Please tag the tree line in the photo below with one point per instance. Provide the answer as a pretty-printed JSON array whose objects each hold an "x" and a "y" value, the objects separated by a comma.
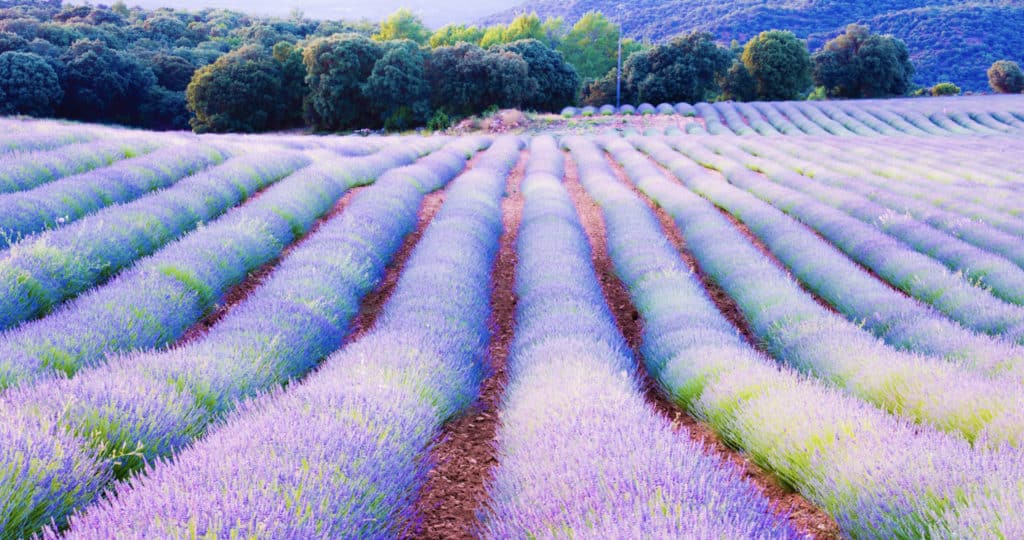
[{"x": 217, "y": 70}]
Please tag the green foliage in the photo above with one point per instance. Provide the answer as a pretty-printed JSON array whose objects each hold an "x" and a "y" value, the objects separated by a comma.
[
  {"x": 591, "y": 46},
  {"x": 336, "y": 69},
  {"x": 28, "y": 85},
  {"x": 397, "y": 88},
  {"x": 103, "y": 83},
  {"x": 687, "y": 68},
  {"x": 779, "y": 65},
  {"x": 553, "y": 82},
  {"x": 240, "y": 92},
  {"x": 403, "y": 24},
  {"x": 945, "y": 89},
  {"x": 466, "y": 79},
  {"x": 818, "y": 94},
  {"x": 452, "y": 34},
  {"x": 1005, "y": 77},
  {"x": 439, "y": 121},
  {"x": 738, "y": 84},
  {"x": 861, "y": 64},
  {"x": 599, "y": 92},
  {"x": 524, "y": 27}
]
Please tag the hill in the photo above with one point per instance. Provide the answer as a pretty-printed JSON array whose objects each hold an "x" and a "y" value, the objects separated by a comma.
[{"x": 949, "y": 40}]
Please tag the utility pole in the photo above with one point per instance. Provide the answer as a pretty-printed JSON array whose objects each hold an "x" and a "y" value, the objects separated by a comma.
[{"x": 618, "y": 76}]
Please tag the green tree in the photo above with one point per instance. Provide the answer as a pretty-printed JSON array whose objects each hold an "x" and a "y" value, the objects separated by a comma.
[
  {"x": 397, "y": 88},
  {"x": 452, "y": 34},
  {"x": 336, "y": 69},
  {"x": 779, "y": 64},
  {"x": 944, "y": 89},
  {"x": 591, "y": 46},
  {"x": 240, "y": 92},
  {"x": 861, "y": 64},
  {"x": 466, "y": 79},
  {"x": 293, "y": 81},
  {"x": 555, "y": 81},
  {"x": 687, "y": 68},
  {"x": 101, "y": 83},
  {"x": 1005, "y": 77},
  {"x": 403, "y": 24},
  {"x": 29, "y": 85},
  {"x": 738, "y": 84}
]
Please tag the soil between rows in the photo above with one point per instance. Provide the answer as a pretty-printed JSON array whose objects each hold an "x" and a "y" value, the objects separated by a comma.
[
  {"x": 804, "y": 516},
  {"x": 467, "y": 449}
]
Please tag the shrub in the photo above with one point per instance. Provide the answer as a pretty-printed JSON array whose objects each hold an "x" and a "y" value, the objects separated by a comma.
[
  {"x": 945, "y": 89},
  {"x": 1006, "y": 77}
]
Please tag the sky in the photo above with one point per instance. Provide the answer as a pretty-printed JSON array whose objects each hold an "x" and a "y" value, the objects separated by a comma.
[{"x": 435, "y": 13}]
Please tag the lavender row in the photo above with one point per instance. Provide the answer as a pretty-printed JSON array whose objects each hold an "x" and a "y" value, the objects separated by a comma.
[
  {"x": 866, "y": 184},
  {"x": 161, "y": 296},
  {"x": 916, "y": 274},
  {"x": 24, "y": 171},
  {"x": 36, "y": 275},
  {"x": 902, "y": 322},
  {"x": 800, "y": 332},
  {"x": 580, "y": 453},
  {"x": 42, "y": 140},
  {"x": 996, "y": 274},
  {"x": 106, "y": 422},
  {"x": 70, "y": 198},
  {"x": 347, "y": 445},
  {"x": 878, "y": 476}
]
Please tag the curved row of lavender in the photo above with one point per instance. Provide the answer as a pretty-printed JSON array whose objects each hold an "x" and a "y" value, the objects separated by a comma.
[
  {"x": 580, "y": 453},
  {"x": 915, "y": 273},
  {"x": 162, "y": 295},
  {"x": 878, "y": 476},
  {"x": 41, "y": 272},
  {"x": 62, "y": 201},
  {"x": 858, "y": 179},
  {"x": 998, "y": 208},
  {"x": 996, "y": 274},
  {"x": 904, "y": 323},
  {"x": 32, "y": 140},
  {"x": 24, "y": 171},
  {"x": 85, "y": 432},
  {"x": 809, "y": 337},
  {"x": 342, "y": 454}
]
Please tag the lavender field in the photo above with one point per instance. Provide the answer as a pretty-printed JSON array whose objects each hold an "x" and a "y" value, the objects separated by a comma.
[{"x": 728, "y": 320}]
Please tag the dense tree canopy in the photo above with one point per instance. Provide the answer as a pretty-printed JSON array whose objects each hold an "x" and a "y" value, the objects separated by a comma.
[
  {"x": 687, "y": 68},
  {"x": 397, "y": 88},
  {"x": 1006, "y": 77},
  {"x": 336, "y": 68},
  {"x": 861, "y": 64},
  {"x": 28, "y": 85},
  {"x": 453, "y": 34},
  {"x": 241, "y": 92},
  {"x": 553, "y": 82},
  {"x": 103, "y": 83},
  {"x": 778, "y": 64},
  {"x": 591, "y": 46},
  {"x": 465, "y": 79}
]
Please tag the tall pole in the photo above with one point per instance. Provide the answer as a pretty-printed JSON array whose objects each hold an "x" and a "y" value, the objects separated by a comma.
[{"x": 618, "y": 76}]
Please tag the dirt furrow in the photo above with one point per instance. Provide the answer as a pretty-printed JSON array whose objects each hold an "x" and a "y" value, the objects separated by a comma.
[{"x": 466, "y": 452}]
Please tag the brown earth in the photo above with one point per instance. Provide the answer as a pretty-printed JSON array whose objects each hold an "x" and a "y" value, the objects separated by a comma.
[
  {"x": 463, "y": 457},
  {"x": 805, "y": 517},
  {"x": 235, "y": 295}
]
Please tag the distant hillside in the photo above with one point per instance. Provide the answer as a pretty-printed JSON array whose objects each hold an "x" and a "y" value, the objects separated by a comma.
[{"x": 948, "y": 39}]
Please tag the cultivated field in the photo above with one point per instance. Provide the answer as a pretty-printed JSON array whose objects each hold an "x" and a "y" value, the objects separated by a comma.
[{"x": 766, "y": 320}]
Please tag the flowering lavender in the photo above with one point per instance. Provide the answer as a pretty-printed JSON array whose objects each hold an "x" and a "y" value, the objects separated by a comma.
[
  {"x": 351, "y": 465},
  {"x": 24, "y": 171},
  {"x": 42, "y": 140},
  {"x": 154, "y": 302},
  {"x": 580, "y": 452},
  {"x": 27, "y": 212},
  {"x": 38, "y": 274},
  {"x": 906, "y": 269},
  {"x": 259, "y": 345},
  {"x": 1001, "y": 277},
  {"x": 808, "y": 337},
  {"x": 878, "y": 476}
]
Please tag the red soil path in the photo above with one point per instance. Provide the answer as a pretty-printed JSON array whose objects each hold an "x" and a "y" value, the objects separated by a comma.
[{"x": 463, "y": 457}]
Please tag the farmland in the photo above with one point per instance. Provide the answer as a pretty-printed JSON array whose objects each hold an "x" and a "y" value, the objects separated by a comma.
[{"x": 727, "y": 320}]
